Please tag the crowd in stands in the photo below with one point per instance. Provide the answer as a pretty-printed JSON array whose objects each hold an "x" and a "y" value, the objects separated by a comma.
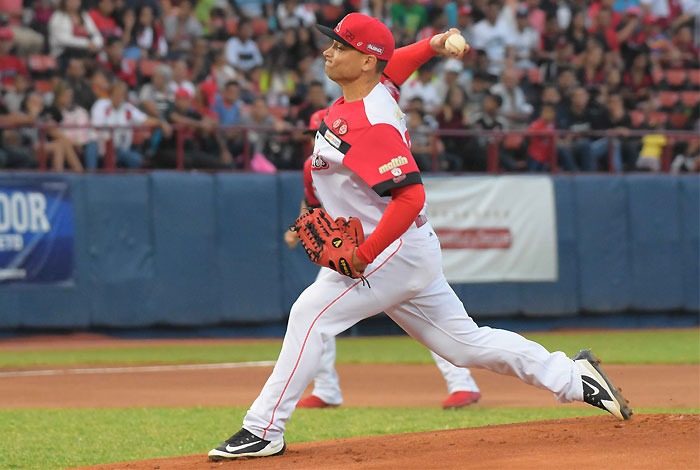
[{"x": 182, "y": 69}]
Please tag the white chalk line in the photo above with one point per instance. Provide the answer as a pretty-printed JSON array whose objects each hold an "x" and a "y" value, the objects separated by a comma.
[{"x": 123, "y": 370}]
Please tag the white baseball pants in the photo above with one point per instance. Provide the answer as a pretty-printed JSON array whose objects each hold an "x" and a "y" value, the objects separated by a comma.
[{"x": 407, "y": 283}]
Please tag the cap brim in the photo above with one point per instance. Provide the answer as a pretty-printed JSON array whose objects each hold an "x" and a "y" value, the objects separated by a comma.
[{"x": 330, "y": 32}]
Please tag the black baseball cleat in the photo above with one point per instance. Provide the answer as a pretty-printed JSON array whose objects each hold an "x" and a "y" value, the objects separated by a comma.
[
  {"x": 597, "y": 389},
  {"x": 245, "y": 444}
]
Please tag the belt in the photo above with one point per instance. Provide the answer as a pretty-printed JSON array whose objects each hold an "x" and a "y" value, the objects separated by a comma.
[{"x": 421, "y": 220}]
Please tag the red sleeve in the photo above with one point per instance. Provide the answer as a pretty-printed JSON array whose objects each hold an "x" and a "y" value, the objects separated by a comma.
[
  {"x": 406, "y": 203},
  {"x": 407, "y": 59},
  {"x": 309, "y": 193},
  {"x": 382, "y": 159}
]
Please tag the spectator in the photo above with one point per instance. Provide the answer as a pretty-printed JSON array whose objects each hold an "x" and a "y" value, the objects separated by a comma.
[
  {"x": 292, "y": 14},
  {"x": 515, "y": 107},
  {"x": 579, "y": 118},
  {"x": 537, "y": 17},
  {"x": 103, "y": 18},
  {"x": 13, "y": 154},
  {"x": 436, "y": 24},
  {"x": 156, "y": 97},
  {"x": 652, "y": 148},
  {"x": 489, "y": 119},
  {"x": 182, "y": 29},
  {"x": 451, "y": 77},
  {"x": 72, "y": 33},
  {"x": 248, "y": 9},
  {"x": 688, "y": 53},
  {"x": 615, "y": 118},
  {"x": 566, "y": 82},
  {"x": 221, "y": 72},
  {"x": 99, "y": 85},
  {"x": 454, "y": 115},
  {"x": 113, "y": 61},
  {"x": 637, "y": 81},
  {"x": 465, "y": 21},
  {"x": 180, "y": 79},
  {"x": 59, "y": 150},
  {"x": 563, "y": 59},
  {"x": 477, "y": 89},
  {"x": 657, "y": 8},
  {"x": 241, "y": 51},
  {"x": 491, "y": 35},
  {"x": 81, "y": 140},
  {"x": 83, "y": 95},
  {"x": 316, "y": 101},
  {"x": 116, "y": 111},
  {"x": 591, "y": 72},
  {"x": 541, "y": 147},
  {"x": 689, "y": 160},
  {"x": 549, "y": 39},
  {"x": 408, "y": 16},
  {"x": 199, "y": 61},
  {"x": 199, "y": 144},
  {"x": 523, "y": 43},
  {"x": 262, "y": 142},
  {"x": 421, "y": 140},
  {"x": 10, "y": 64},
  {"x": 422, "y": 86},
  {"x": 227, "y": 106},
  {"x": 147, "y": 36},
  {"x": 577, "y": 35},
  {"x": 17, "y": 93}
]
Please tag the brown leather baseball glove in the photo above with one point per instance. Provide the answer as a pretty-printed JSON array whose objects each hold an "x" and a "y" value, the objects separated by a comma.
[{"x": 329, "y": 242}]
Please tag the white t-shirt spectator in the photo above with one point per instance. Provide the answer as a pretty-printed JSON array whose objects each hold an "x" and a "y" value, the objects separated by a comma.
[
  {"x": 63, "y": 34},
  {"x": 514, "y": 103},
  {"x": 243, "y": 55},
  {"x": 492, "y": 38},
  {"x": 524, "y": 42},
  {"x": 103, "y": 113},
  {"x": 428, "y": 92}
]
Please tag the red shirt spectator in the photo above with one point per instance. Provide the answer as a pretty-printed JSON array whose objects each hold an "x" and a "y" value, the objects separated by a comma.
[
  {"x": 114, "y": 62},
  {"x": 540, "y": 147}
]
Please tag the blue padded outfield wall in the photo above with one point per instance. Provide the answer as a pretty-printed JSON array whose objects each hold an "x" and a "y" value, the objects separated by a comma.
[{"x": 170, "y": 248}]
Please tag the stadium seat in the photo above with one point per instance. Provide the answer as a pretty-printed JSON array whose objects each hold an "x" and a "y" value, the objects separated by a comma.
[
  {"x": 637, "y": 117},
  {"x": 678, "y": 120},
  {"x": 232, "y": 26},
  {"x": 657, "y": 117},
  {"x": 260, "y": 26},
  {"x": 10, "y": 6},
  {"x": 147, "y": 67},
  {"x": 534, "y": 75},
  {"x": 41, "y": 63},
  {"x": 694, "y": 75},
  {"x": 279, "y": 111},
  {"x": 657, "y": 76},
  {"x": 668, "y": 99},
  {"x": 690, "y": 98},
  {"x": 43, "y": 86},
  {"x": 675, "y": 77}
]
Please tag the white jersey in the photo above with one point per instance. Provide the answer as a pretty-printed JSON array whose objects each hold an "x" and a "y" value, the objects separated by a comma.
[{"x": 361, "y": 153}]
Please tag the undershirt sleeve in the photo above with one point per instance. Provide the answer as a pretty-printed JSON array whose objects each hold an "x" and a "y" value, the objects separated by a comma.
[
  {"x": 407, "y": 59},
  {"x": 309, "y": 194},
  {"x": 382, "y": 159},
  {"x": 406, "y": 203}
]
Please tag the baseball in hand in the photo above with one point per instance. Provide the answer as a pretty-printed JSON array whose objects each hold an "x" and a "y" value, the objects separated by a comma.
[{"x": 455, "y": 44}]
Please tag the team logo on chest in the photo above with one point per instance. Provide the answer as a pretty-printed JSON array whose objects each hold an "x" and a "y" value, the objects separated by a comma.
[
  {"x": 340, "y": 126},
  {"x": 318, "y": 163}
]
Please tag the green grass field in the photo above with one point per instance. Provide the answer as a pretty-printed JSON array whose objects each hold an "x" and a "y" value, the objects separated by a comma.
[
  {"x": 92, "y": 436},
  {"x": 625, "y": 347}
]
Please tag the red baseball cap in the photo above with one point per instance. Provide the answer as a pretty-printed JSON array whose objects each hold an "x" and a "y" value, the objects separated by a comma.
[
  {"x": 182, "y": 93},
  {"x": 364, "y": 33}
]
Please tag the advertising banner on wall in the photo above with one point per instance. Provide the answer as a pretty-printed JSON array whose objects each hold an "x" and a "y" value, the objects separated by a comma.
[
  {"x": 495, "y": 229},
  {"x": 36, "y": 230}
]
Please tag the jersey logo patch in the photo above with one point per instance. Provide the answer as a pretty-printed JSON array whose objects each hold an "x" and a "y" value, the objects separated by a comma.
[
  {"x": 340, "y": 125},
  {"x": 394, "y": 163},
  {"x": 318, "y": 163},
  {"x": 377, "y": 49},
  {"x": 332, "y": 139}
]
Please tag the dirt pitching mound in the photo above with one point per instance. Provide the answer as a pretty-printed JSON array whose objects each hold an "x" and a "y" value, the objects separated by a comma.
[{"x": 645, "y": 442}]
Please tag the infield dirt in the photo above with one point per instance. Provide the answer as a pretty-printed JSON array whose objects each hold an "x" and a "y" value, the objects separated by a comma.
[{"x": 600, "y": 442}]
